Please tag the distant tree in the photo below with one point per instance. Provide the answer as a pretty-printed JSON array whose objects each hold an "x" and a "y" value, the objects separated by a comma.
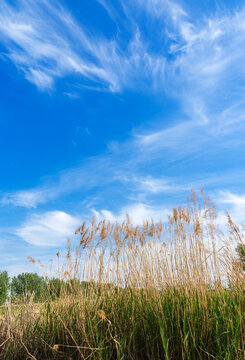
[
  {"x": 4, "y": 287},
  {"x": 73, "y": 286},
  {"x": 59, "y": 287},
  {"x": 29, "y": 284},
  {"x": 55, "y": 287},
  {"x": 241, "y": 254}
]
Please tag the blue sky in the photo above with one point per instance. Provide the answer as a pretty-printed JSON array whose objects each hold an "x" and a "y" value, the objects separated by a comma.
[{"x": 110, "y": 106}]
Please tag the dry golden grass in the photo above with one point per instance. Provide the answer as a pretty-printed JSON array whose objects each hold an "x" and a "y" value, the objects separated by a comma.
[{"x": 160, "y": 291}]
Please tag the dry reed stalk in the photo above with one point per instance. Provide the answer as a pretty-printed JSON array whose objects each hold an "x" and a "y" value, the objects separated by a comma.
[{"x": 188, "y": 259}]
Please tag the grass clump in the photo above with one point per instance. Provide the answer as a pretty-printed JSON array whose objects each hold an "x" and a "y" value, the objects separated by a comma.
[{"x": 160, "y": 291}]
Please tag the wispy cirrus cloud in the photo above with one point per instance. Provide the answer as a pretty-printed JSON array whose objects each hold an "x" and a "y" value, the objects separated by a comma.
[
  {"x": 25, "y": 198},
  {"x": 153, "y": 185},
  {"x": 86, "y": 176},
  {"x": 46, "y": 43},
  {"x": 37, "y": 34},
  {"x": 144, "y": 174},
  {"x": 204, "y": 72},
  {"x": 97, "y": 173},
  {"x": 209, "y": 71},
  {"x": 204, "y": 67}
]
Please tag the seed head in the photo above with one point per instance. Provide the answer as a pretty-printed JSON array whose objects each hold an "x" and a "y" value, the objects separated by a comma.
[{"x": 101, "y": 314}]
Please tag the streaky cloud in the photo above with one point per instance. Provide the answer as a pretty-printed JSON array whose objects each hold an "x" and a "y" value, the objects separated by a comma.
[{"x": 45, "y": 42}]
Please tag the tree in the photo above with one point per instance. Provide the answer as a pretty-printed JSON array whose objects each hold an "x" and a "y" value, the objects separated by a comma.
[
  {"x": 241, "y": 254},
  {"x": 59, "y": 287},
  {"x": 55, "y": 287},
  {"x": 4, "y": 287},
  {"x": 26, "y": 285}
]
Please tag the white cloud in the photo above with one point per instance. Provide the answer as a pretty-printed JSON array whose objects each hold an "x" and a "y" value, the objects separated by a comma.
[
  {"x": 175, "y": 142},
  {"x": 159, "y": 8},
  {"x": 26, "y": 198},
  {"x": 207, "y": 63},
  {"x": 138, "y": 213},
  {"x": 156, "y": 186},
  {"x": 40, "y": 79},
  {"x": 227, "y": 197},
  {"x": 209, "y": 71},
  {"x": 46, "y": 42},
  {"x": 235, "y": 205},
  {"x": 37, "y": 35},
  {"x": 89, "y": 174},
  {"x": 48, "y": 229}
]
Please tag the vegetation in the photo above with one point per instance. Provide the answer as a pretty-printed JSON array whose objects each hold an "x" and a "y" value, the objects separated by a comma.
[
  {"x": 27, "y": 285},
  {"x": 160, "y": 291},
  {"x": 4, "y": 287},
  {"x": 241, "y": 254}
]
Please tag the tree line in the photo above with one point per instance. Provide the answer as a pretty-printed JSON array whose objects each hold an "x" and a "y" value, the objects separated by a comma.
[{"x": 31, "y": 286}]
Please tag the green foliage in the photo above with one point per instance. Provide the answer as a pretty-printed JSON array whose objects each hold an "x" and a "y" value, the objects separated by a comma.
[
  {"x": 56, "y": 287},
  {"x": 241, "y": 254},
  {"x": 165, "y": 342},
  {"x": 131, "y": 324},
  {"x": 4, "y": 287},
  {"x": 27, "y": 285},
  {"x": 171, "y": 303}
]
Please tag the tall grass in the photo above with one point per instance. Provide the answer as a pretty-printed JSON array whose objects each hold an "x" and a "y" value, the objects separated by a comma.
[{"x": 160, "y": 291}]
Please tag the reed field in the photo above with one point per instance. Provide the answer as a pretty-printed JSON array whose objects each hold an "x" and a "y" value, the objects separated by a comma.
[{"x": 172, "y": 290}]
